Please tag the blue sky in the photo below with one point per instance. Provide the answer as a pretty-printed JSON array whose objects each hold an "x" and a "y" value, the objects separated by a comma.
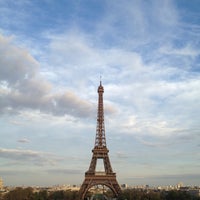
[{"x": 52, "y": 54}]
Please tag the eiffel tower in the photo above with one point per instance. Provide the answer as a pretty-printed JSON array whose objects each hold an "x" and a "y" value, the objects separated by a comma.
[{"x": 100, "y": 151}]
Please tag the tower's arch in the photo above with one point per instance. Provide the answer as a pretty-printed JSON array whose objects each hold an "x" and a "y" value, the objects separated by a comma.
[{"x": 107, "y": 184}]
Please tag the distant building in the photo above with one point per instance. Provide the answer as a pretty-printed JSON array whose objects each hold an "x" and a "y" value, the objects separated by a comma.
[
  {"x": 1, "y": 184},
  {"x": 124, "y": 186},
  {"x": 179, "y": 185}
]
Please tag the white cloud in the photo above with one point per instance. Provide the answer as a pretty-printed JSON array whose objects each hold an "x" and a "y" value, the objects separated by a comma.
[
  {"x": 22, "y": 87},
  {"x": 144, "y": 90},
  {"x": 187, "y": 50},
  {"x": 26, "y": 156},
  {"x": 64, "y": 171},
  {"x": 15, "y": 64},
  {"x": 23, "y": 140}
]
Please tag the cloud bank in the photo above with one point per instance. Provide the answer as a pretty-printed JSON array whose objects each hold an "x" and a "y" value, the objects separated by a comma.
[{"x": 22, "y": 87}]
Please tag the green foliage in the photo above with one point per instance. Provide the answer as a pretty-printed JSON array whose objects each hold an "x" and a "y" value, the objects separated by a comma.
[
  {"x": 41, "y": 195},
  {"x": 57, "y": 195},
  {"x": 129, "y": 194},
  {"x": 28, "y": 194},
  {"x": 63, "y": 195},
  {"x": 132, "y": 194},
  {"x": 182, "y": 195},
  {"x": 19, "y": 194}
]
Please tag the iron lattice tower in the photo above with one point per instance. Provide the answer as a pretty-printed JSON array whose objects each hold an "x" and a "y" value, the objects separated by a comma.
[{"x": 100, "y": 151}]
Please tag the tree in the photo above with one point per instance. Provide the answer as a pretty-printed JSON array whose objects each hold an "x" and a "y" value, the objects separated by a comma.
[
  {"x": 41, "y": 195},
  {"x": 19, "y": 194}
]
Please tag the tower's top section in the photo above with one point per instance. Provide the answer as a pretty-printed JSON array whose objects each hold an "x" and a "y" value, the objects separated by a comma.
[
  {"x": 100, "y": 88},
  {"x": 100, "y": 140}
]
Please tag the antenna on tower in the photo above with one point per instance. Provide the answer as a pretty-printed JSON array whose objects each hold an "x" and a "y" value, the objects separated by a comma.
[{"x": 100, "y": 79}]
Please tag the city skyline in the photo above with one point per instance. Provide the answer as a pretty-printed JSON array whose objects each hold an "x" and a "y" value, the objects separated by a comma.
[{"x": 52, "y": 55}]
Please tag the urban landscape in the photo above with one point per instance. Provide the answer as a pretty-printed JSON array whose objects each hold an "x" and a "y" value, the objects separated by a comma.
[
  {"x": 99, "y": 100},
  {"x": 70, "y": 192}
]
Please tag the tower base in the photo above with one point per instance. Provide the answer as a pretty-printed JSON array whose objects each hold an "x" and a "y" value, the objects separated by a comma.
[{"x": 91, "y": 180}]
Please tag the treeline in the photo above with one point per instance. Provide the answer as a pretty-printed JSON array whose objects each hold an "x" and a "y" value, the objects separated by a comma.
[
  {"x": 129, "y": 194},
  {"x": 29, "y": 194},
  {"x": 134, "y": 194}
]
